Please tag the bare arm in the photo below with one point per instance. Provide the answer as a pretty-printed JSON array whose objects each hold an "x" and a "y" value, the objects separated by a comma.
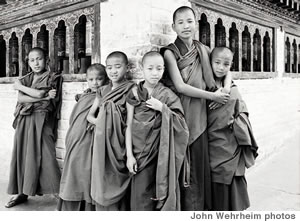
[
  {"x": 227, "y": 82},
  {"x": 24, "y": 98},
  {"x": 34, "y": 93},
  {"x": 187, "y": 89},
  {"x": 131, "y": 161},
  {"x": 91, "y": 115}
]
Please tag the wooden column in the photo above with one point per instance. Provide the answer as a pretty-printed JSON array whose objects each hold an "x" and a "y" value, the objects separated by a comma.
[
  {"x": 227, "y": 27},
  {"x": 19, "y": 35},
  {"x": 51, "y": 28},
  {"x": 251, "y": 51},
  {"x": 70, "y": 34},
  {"x": 7, "y": 36},
  {"x": 34, "y": 37},
  {"x": 262, "y": 50},
  {"x": 96, "y": 35},
  {"x": 271, "y": 52}
]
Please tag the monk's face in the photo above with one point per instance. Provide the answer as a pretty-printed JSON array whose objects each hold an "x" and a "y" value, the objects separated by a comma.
[
  {"x": 116, "y": 68},
  {"x": 153, "y": 69},
  {"x": 221, "y": 63},
  {"x": 185, "y": 24},
  {"x": 36, "y": 61},
  {"x": 95, "y": 79}
]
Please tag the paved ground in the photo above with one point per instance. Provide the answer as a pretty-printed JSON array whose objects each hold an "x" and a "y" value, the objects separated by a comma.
[{"x": 274, "y": 184}]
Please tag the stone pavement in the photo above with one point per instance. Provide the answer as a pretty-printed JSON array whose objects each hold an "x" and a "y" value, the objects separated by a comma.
[{"x": 273, "y": 184}]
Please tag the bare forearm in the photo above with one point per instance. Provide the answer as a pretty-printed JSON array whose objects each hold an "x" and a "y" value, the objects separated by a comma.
[
  {"x": 23, "y": 98},
  {"x": 128, "y": 141},
  {"x": 227, "y": 82},
  {"x": 31, "y": 92},
  {"x": 191, "y": 91}
]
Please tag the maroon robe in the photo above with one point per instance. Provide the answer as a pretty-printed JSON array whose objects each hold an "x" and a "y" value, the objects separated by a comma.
[
  {"x": 75, "y": 184},
  {"x": 34, "y": 169},
  {"x": 109, "y": 178},
  {"x": 232, "y": 148},
  {"x": 159, "y": 143},
  {"x": 195, "y": 70}
]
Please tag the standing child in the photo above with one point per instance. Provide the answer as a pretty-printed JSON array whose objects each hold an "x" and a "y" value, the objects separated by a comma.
[
  {"x": 232, "y": 146},
  {"x": 75, "y": 184},
  {"x": 156, "y": 140},
  {"x": 109, "y": 173},
  {"x": 189, "y": 70},
  {"x": 34, "y": 169}
]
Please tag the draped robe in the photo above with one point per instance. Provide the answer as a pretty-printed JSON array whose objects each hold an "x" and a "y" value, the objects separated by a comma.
[
  {"x": 195, "y": 69},
  {"x": 34, "y": 168},
  {"x": 159, "y": 143},
  {"x": 232, "y": 146},
  {"x": 109, "y": 176},
  {"x": 76, "y": 176}
]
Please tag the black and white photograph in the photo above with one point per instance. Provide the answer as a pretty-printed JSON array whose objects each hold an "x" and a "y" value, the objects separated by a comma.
[{"x": 151, "y": 105}]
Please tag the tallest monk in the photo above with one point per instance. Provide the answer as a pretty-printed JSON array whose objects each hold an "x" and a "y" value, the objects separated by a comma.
[{"x": 190, "y": 74}]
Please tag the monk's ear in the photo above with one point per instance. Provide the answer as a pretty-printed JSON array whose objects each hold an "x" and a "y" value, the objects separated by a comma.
[{"x": 173, "y": 27}]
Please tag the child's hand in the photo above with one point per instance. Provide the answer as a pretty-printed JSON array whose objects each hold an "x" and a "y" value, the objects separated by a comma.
[
  {"x": 220, "y": 97},
  {"x": 17, "y": 85},
  {"x": 131, "y": 164},
  {"x": 214, "y": 105},
  {"x": 154, "y": 104},
  {"x": 90, "y": 127},
  {"x": 52, "y": 94}
]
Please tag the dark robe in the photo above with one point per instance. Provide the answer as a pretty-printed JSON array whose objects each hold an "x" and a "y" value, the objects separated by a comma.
[
  {"x": 34, "y": 168},
  {"x": 109, "y": 178},
  {"x": 195, "y": 69},
  {"x": 159, "y": 143},
  {"x": 76, "y": 176},
  {"x": 232, "y": 148}
]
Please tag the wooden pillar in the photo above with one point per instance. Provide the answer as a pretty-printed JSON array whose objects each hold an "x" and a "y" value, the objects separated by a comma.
[
  {"x": 262, "y": 51},
  {"x": 70, "y": 36},
  {"x": 7, "y": 54},
  {"x": 227, "y": 27},
  {"x": 297, "y": 58},
  {"x": 291, "y": 55},
  {"x": 240, "y": 50},
  {"x": 271, "y": 52},
  {"x": 51, "y": 28},
  {"x": 34, "y": 37},
  {"x": 96, "y": 40},
  {"x": 19, "y": 35},
  {"x": 251, "y": 51}
]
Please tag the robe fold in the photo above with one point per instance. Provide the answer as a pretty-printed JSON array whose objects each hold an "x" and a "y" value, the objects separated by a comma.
[
  {"x": 34, "y": 169},
  {"x": 195, "y": 69},
  {"x": 232, "y": 148},
  {"x": 109, "y": 178},
  {"x": 159, "y": 142},
  {"x": 76, "y": 176}
]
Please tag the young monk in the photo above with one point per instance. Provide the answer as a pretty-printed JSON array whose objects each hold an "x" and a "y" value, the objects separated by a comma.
[
  {"x": 108, "y": 156},
  {"x": 189, "y": 73},
  {"x": 232, "y": 146},
  {"x": 76, "y": 176},
  {"x": 156, "y": 140},
  {"x": 34, "y": 169}
]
